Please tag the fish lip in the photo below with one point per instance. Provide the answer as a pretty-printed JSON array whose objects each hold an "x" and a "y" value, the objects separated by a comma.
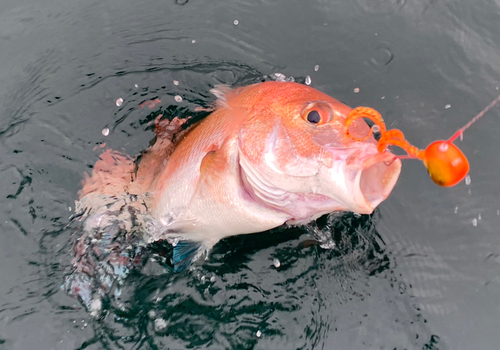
[{"x": 374, "y": 179}]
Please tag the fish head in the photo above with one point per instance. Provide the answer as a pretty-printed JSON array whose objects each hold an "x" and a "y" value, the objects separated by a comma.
[{"x": 294, "y": 155}]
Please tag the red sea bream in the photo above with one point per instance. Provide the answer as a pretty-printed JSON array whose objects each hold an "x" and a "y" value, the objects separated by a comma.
[{"x": 269, "y": 154}]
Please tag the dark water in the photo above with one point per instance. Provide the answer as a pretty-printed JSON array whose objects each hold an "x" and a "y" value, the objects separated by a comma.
[{"x": 422, "y": 273}]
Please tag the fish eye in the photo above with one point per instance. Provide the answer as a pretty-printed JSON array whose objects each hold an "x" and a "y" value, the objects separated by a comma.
[
  {"x": 317, "y": 113},
  {"x": 313, "y": 117}
]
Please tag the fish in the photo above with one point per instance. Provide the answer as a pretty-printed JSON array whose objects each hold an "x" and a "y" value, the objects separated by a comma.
[{"x": 269, "y": 154}]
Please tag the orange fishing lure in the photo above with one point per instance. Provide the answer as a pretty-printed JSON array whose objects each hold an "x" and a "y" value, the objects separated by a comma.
[{"x": 445, "y": 162}]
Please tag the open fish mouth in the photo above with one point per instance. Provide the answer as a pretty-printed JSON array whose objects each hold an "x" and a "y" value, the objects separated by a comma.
[{"x": 374, "y": 178}]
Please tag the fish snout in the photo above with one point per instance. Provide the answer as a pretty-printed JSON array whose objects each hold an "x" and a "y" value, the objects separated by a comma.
[{"x": 374, "y": 176}]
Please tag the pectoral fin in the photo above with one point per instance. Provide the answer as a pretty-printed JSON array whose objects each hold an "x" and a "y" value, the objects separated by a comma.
[
  {"x": 214, "y": 163},
  {"x": 212, "y": 169},
  {"x": 184, "y": 253}
]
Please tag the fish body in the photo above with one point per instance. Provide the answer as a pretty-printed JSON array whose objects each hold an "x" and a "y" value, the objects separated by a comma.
[{"x": 269, "y": 154}]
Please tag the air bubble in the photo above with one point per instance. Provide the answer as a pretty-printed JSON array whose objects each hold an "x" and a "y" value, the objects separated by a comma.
[
  {"x": 176, "y": 82},
  {"x": 276, "y": 263},
  {"x": 178, "y": 98},
  {"x": 316, "y": 68},
  {"x": 356, "y": 90},
  {"x": 258, "y": 334},
  {"x": 105, "y": 131},
  {"x": 447, "y": 106},
  {"x": 308, "y": 80},
  {"x": 236, "y": 22},
  {"x": 474, "y": 222},
  {"x": 119, "y": 102}
]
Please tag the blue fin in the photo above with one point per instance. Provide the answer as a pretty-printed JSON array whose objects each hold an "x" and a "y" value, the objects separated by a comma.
[{"x": 184, "y": 252}]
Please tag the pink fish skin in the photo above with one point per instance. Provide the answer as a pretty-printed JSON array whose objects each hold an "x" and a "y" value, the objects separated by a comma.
[{"x": 271, "y": 153}]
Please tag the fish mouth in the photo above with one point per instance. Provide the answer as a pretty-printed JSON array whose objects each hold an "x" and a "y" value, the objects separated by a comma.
[{"x": 374, "y": 178}]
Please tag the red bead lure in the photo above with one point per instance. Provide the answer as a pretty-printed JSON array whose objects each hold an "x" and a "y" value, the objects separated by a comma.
[{"x": 445, "y": 162}]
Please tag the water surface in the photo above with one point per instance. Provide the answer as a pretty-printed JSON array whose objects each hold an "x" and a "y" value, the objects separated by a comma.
[{"x": 422, "y": 272}]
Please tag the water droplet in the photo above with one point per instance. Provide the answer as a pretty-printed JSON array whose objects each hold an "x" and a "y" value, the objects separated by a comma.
[
  {"x": 279, "y": 76},
  {"x": 105, "y": 131},
  {"x": 467, "y": 180},
  {"x": 276, "y": 263},
  {"x": 258, "y": 334},
  {"x": 447, "y": 106},
  {"x": 178, "y": 98},
  {"x": 176, "y": 82},
  {"x": 119, "y": 102},
  {"x": 356, "y": 90},
  {"x": 330, "y": 244},
  {"x": 316, "y": 68},
  {"x": 308, "y": 80},
  {"x": 95, "y": 307},
  {"x": 474, "y": 222},
  {"x": 173, "y": 241},
  {"x": 160, "y": 324},
  {"x": 236, "y": 22}
]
